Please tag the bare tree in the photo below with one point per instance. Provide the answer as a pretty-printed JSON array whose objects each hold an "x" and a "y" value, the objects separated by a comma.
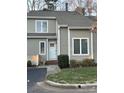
[
  {"x": 35, "y": 5},
  {"x": 89, "y": 5},
  {"x": 95, "y": 6}
]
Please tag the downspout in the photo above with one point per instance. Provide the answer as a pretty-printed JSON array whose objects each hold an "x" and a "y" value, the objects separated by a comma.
[
  {"x": 47, "y": 50},
  {"x": 69, "y": 44},
  {"x": 92, "y": 45},
  {"x": 58, "y": 41}
]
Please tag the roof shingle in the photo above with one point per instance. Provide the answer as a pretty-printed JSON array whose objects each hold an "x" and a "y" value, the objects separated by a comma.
[{"x": 64, "y": 17}]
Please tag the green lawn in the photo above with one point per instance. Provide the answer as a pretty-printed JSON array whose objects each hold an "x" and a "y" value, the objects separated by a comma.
[{"x": 75, "y": 75}]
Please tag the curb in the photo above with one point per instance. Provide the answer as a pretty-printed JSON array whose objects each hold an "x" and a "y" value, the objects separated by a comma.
[{"x": 79, "y": 86}]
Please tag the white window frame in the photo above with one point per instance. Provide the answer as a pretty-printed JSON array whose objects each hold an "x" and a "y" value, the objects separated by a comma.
[
  {"x": 40, "y": 21},
  {"x": 44, "y": 47},
  {"x": 80, "y": 47}
]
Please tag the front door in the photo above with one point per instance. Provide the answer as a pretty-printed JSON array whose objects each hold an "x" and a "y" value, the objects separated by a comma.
[{"x": 52, "y": 51}]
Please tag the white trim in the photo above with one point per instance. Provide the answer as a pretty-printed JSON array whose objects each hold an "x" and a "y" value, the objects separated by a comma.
[
  {"x": 74, "y": 27},
  {"x": 92, "y": 45},
  {"x": 55, "y": 50},
  {"x": 44, "y": 48},
  {"x": 77, "y": 27},
  {"x": 69, "y": 44},
  {"x": 56, "y": 27},
  {"x": 58, "y": 41},
  {"x": 41, "y": 21},
  {"x": 80, "y": 47},
  {"x": 37, "y": 60},
  {"x": 50, "y": 17},
  {"x": 63, "y": 25},
  {"x": 88, "y": 46},
  {"x": 44, "y": 37},
  {"x": 47, "y": 49}
]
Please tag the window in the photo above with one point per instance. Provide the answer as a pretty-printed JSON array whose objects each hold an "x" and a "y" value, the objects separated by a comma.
[
  {"x": 80, "y": 46},
  {"x": 84, "y": 49},
  {"x": 76, "y": 46},
  {"x": 42, "y": 47},
  {"x": 41, "y": 26},
  {"x": 51, "y": 44}
]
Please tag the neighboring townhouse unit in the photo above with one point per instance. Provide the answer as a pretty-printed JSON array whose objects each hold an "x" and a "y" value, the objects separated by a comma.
[{"x": 51, "y": 33}]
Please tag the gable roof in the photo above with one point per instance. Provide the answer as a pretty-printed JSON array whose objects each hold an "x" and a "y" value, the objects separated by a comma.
[{"x": 64, "y": 17}]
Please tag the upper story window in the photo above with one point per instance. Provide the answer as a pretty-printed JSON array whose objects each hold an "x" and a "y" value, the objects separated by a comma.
[{"x": 41, "y": 26}]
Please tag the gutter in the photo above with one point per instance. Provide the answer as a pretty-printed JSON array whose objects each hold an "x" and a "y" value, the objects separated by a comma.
[
  {"x": 77, "y": 27},
  {"x": 35, "y": 17}
]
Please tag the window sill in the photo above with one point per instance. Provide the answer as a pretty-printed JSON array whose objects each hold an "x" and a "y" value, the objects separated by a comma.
[
  {"x": 41, "y": 32},
  {"x": 80, "y": 54}
]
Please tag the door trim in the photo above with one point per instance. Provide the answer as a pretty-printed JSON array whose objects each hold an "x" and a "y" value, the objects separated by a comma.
[{"x": 49, "y": 50}]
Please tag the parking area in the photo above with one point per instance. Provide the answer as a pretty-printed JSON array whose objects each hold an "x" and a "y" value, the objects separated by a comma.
[{"x": 35, "y": 75}]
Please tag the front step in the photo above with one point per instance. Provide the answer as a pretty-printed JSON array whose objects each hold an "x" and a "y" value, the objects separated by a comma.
[{"x": 51, "y": 62}]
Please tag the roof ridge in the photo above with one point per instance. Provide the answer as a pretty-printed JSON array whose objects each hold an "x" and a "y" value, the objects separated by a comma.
[{"x": 71, "y": 18}]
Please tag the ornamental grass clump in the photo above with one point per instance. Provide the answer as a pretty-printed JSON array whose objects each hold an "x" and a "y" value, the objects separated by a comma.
[
  {"x": 88, "y": 62},
  {"x": 75, "y": 63}
]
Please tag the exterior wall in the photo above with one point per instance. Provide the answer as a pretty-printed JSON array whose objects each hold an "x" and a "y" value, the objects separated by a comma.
[
  {"x": 79, "y": 34},
  {"x": 33, "y": 47},
  {"x": 64, "y": 41},
  {"x": 31, "y": 25},
  {"x": 95, "y": 46}
]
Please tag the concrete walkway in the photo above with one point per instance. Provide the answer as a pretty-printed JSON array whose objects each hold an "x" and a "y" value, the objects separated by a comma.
[{"x": 51, "y": 69}]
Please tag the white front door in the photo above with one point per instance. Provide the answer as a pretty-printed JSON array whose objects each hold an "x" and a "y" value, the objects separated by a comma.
[{"x": 52, "y": 51}]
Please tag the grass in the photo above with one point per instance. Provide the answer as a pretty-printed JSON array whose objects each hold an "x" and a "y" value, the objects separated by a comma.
[{"x": 75, "y": 75}]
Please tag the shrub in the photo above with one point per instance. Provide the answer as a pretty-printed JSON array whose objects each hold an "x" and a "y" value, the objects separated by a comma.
[
  {"x": 29, "y": 64},
  {"x": 94, "y": 64},
  {"x": 75, "y": 63},
  {"x": 63, "y": 61},
  {"x": 72, "y": 63},
  {"x": 88, "y": 62}
]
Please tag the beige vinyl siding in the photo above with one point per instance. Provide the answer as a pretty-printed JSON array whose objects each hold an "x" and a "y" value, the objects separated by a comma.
[
  {"x": 31, "y": 25},
  {"x": 79, "y": 34},
  {"x": 33, "y": 47},
  {"x": 95, "y": 46},
  {"x": 64, "y": 41}
]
